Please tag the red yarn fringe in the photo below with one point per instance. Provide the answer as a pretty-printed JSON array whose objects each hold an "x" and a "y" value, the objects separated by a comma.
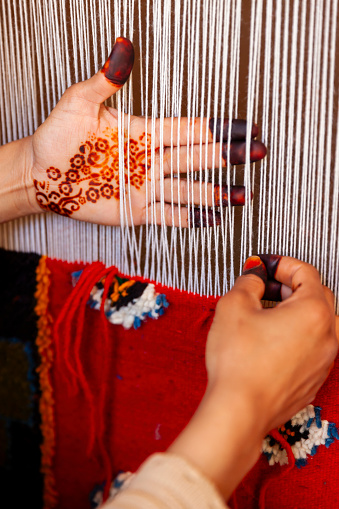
[{"x": 69, "y": 326}]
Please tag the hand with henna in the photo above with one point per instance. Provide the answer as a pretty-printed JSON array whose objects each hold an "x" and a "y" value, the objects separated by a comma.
[{"x": 71, "y": 164}]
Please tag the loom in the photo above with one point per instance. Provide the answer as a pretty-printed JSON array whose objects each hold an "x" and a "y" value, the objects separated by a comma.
[
  {"x": 274, "y": 63},
  {"x": 270, "y": 62}
]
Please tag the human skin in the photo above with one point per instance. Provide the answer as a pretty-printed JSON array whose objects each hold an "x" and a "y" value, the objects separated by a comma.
[
  {"x": 71, "y": 164},
  {"x": 263, "y": 365}
]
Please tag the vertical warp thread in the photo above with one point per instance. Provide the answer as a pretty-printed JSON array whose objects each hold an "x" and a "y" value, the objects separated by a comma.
[{"x": 193, "y": 59}]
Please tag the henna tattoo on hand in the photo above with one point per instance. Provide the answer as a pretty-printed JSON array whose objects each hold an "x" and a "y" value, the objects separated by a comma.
[{"x": 93, "y": 173}]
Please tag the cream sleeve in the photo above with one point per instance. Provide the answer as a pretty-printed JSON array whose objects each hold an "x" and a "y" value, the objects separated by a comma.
[{"x": 166, "y": 481}]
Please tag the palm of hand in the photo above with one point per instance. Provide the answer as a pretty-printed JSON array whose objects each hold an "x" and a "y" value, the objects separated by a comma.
[
  {"x": 82, "y": 166},
  {"x": 77, "y": 163}
]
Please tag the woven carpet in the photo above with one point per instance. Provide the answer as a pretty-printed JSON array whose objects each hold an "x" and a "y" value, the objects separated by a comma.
[{"x": 97, "y": 397}]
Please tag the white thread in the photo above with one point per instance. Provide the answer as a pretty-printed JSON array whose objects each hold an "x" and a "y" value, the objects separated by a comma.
[{"x": 190, "y": 63}]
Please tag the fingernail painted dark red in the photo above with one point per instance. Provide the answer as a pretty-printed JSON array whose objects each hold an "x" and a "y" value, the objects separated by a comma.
[
  {"x": 204, "y": 218},
  {"x": 271, "y": 262},
  {"x": 119, "y": 64},
  {"x": 238, "y": 152},
  {"x": 253, "y": 265},
  {"x": 237, "y": 195},
  {"x": 238, "y": 129},
  {"x": 272, "y": 291}
]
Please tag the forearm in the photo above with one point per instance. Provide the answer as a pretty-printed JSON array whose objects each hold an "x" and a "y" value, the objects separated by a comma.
[
  {"x": 17, "y": 196},
  {"x": 222, "y": 440}
]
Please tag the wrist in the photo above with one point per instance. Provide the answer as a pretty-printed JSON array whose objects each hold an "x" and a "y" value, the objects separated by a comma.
[
  {"x": 223, "y": 439},
  {"x": 17, "y": 194}
]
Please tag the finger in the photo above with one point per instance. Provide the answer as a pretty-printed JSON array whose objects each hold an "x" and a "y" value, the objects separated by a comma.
[
  {"x": 293, "y": 273},
  {"x": 271, "y": 262},
  {"x": 113, "y": 75},
  {"x": 273, "y": 291},
  {"x": 184, "y": 217},
  {"x": 276, "y": 291},
  {"x": 173, "y": 131},
  {"x": 178, "y": 191},
  {"x": 252, "y": 281},
  {"x": 337, "y": 326},
  {"x": 238, "y": 127},
  {"x": 196, "y": 157},
  {"x": 201, "y": 217},
  {"x": 237, "y": 152},
  {"x": 253, "y": 265}
]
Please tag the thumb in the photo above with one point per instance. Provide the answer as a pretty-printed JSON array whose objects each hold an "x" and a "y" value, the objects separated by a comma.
[
  {"x": 114, "y": 73},
  {"x": 253, "y": 279}
]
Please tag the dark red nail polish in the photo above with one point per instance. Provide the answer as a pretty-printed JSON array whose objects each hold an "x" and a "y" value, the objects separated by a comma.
[
  {"x": 204, "y": 219},
  {"x": 119, "y": 64},
  {"x": 258, "y": 151},
  {"x": 253, "y": 265},
  {"x": 238, "y": 152},
  {"x": 238, "y": 129},
  {"x": 255, "y": 131},
  {"x": 271, "y": 262},
  {"x": 272, "y": 291},
  {"x": 237, "y": 195}
]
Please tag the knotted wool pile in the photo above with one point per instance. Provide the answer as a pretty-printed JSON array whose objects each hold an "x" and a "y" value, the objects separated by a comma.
[{"x": 97, "y": 397}]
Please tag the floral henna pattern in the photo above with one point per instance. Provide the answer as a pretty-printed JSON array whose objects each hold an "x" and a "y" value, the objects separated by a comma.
[
  {"x": 107, "y": 191},
  {"x": 92, "y": 195},
  {"x": 93, "y": 173},
  {"x": 53, "y": 173}
]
